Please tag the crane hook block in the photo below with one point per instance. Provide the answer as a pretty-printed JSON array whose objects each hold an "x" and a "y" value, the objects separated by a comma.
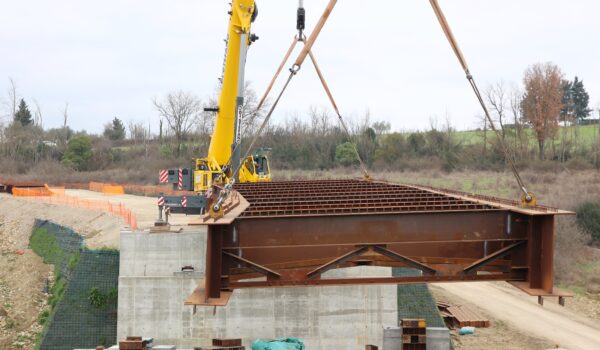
[{"x": 301, "y": 20}]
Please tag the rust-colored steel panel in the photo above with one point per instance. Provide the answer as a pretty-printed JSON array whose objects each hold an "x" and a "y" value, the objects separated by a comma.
[{"x": 293, "y": 232}]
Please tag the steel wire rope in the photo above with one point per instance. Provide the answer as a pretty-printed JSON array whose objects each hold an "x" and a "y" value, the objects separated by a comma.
[{"x": 528, "y": 197}]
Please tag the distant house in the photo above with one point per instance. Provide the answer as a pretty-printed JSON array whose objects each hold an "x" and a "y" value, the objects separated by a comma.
[{"x": 49, "y": 143}]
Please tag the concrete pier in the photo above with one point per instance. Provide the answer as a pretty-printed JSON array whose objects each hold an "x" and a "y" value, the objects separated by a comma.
[{"x": 152, "y": 289}]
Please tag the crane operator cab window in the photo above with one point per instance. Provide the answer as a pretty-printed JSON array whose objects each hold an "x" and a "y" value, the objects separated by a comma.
[
  {"x": 249, "y": 164},
  {"x": 202, "y": 176},
  {"x": 203, "y": 165},
  {"x": 255, "y": 169},
  {"x": 262, "y": 165}
]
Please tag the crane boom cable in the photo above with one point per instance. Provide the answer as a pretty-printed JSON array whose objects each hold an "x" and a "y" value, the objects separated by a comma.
[
  {"x": 337, "y": 111},
  {"x": 528, "y": 196},
  {"x": 264, "y": 123},
  {"x": 276, "y": 76}
]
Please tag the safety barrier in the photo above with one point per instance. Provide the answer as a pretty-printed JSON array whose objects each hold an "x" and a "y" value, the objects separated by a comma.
[
  {"x": 153, "y": 191},
  {"x": 117, "y": 189},
  {"x": 55, "y": 190},
  {"x": 108, "y": 189},
  {"x": 117, "y": 209},
  {"x": 31, "y": 192}
]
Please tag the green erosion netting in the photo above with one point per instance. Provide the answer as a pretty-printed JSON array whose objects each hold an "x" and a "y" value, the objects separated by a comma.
[
  {"x": 416, "y": 301},
  {"x": 58, "y": 246},
  {"x": 86, "y": 316}
]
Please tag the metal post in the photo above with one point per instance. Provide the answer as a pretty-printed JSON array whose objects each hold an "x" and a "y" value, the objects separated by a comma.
[{"x": 160, "y": 221}]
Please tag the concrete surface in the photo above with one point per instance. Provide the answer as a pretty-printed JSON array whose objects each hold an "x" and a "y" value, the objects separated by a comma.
[
  {"x": 144, "y": 208},
  {"x": 392, "y": 338},
  {"x": 438, "y": 338},
  {"x": 152, "y": 290}
]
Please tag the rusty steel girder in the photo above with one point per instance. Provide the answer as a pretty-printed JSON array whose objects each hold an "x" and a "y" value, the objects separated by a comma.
[{"x": 288, "y": 234}]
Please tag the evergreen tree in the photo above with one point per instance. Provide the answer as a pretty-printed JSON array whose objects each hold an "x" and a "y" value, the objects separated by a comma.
[
  {"x": 581, "y": 100},
  {"x": 23, "y": 115},
  {"x": 115, "y": 131},
  {"x": 566, "y": 112},
  {"x": 575, "y": 101}
]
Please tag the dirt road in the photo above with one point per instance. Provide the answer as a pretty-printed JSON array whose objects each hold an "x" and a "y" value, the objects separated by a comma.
[
  {"x": 503, "y": 302},
  {"x": 145, "y": 208}
]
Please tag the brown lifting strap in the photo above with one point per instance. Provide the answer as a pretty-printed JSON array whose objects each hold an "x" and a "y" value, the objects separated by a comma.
[{"x": 528, "y": 198}]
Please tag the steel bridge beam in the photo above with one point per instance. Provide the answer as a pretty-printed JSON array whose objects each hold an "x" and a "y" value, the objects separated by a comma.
[{"x": 292, "y": 233}]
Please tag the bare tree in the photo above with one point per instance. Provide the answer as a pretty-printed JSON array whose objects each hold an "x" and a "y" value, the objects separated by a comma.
[
  {"x": 181, "y": 111},
  {"x": 12, "y": 98},
  {"x": 320, "y": 120},
  {"x": 252, "y": 115},
  {"x": 65, "y": 113},
  {"x": 137, "y": 131},
  {"x": 160, "y": 131},
  {"x": 484, "y": 121},
  {"x": 516, "y": 96},
  {"x": 542, "y": 101},
  {"x": 497, "y": 97},
  {"x": 37, "y": 114}
]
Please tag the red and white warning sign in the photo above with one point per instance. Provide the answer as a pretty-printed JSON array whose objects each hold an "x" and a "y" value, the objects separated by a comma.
[
  {"x": 163, "y": 176},
  {"x": 161, "y": 200},
  {"x": 180, "y": 183},
  {"x": 184, "y": 201}
]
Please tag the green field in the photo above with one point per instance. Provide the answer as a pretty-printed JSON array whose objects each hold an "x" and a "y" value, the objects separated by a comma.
[{"x": 585, "y": 135}]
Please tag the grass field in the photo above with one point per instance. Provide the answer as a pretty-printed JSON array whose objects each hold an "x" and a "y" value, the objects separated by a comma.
[{"x": 586, "y": 135}]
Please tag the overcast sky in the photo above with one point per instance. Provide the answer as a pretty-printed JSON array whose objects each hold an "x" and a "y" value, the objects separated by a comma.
[{"x": 111, "y": 58}]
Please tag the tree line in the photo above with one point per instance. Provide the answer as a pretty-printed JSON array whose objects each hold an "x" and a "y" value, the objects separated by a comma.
[{"x": 540, "y": 120}]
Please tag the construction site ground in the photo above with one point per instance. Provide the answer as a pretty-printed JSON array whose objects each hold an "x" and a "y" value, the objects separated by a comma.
[{"x": 518, "y": 322}]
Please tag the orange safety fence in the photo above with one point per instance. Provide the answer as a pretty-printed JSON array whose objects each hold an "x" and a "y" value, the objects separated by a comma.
[
  {"x": 31, "y": 192},
  {"x": 152, "y": 191},
  {"x": 117, "y": 209},
  {"x": 108, "y": 189},
  {"x": 56, "y": 190}
]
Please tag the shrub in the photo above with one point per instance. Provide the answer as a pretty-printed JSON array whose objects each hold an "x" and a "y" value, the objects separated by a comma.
[
  {"x": 345, "y": 154},
  {"x": 79, "y": 152},
  {"x": 96, "y": 298},
  {"x": 588, "y": 217}
]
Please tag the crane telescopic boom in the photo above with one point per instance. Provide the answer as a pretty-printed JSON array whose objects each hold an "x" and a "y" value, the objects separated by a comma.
[{"x": 224, "y": 152}]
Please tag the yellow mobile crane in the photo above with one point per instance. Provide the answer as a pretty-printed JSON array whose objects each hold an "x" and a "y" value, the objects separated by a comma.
[{"x": 224, "y": 153}]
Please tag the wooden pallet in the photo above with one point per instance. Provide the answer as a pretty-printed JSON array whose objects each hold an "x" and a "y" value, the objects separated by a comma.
[{"x": 462, "y": 316}]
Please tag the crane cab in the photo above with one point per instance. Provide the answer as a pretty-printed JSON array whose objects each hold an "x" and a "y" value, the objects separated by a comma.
[
  {"x": 255, "y": 169},
  {"x": 205, "y": 174}
]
